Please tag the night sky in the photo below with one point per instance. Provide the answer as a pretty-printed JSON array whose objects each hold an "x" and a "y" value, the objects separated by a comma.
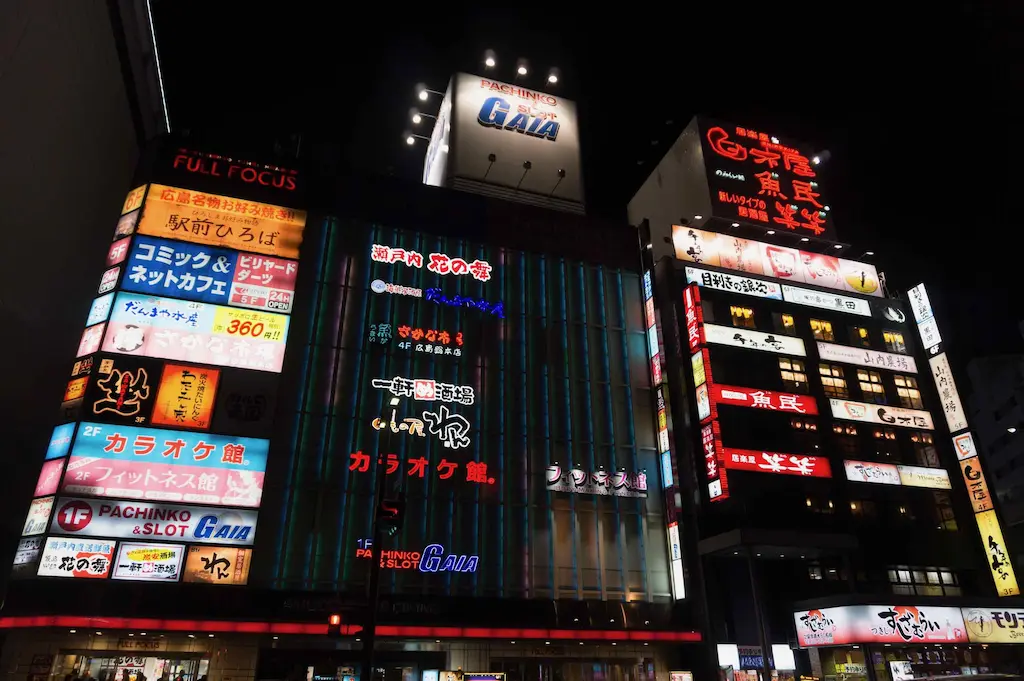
[{"x": 914, "y": 111}]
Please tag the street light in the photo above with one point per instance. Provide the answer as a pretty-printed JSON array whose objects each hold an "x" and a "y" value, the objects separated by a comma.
[
  {"x": 423, "y": 92},
  {"x": 411, "y": 139},
  {"x": 418, "y": 116},
  {"x": 522, "y": 71}
]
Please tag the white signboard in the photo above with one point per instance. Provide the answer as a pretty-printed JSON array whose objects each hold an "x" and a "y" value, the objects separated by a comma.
[
  {"x": 826, "y": 301},
  {"x": 918, "y": 476},
  {"x": 929, "y": 332},
  {"x": 881, "y": 414},
  {"x": 138, "y": 520},
  {"x": 754, "y": 340},
  {"x": 38, "y": 516},
  {"x": 149, "y": 562},
  {"x": 920, "y": 304},
  {"x": 77, "y": 558},
  {"x": 734, "y": 283},
  {"x": 875, "y": 359},
  {"x": 870, "y": 471},
  {"x": 953, "y": 409},
  {"x": 963, "y": 445}
]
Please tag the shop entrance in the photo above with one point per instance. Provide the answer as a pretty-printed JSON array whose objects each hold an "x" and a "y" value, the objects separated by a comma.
[{"x": 130, "y": 668}]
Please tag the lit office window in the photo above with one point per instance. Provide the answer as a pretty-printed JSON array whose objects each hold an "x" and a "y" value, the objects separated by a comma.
[
  {"x": 906, "y": 388},
  {"x": 859, "y": 336},
  {"x": 894, "y": 341},
  {"x": 833, "y": 381},
  {"x": 871, "y": 386},
  {"x": 793, "y": 375},
  {"x": 822, "y": 330},
  {"x": 742, "y": 316}
]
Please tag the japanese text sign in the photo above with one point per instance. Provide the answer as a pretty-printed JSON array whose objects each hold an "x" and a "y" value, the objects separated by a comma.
[
  {"x": 775, "y": 462},
  {"x": 876, "y": 359},
  {"x": 870, "y": 471},
  {"x": 879, "y": 624},
  {"x": 217, "y": 565},
  {"x": 578, "y": 481},
  {"x": 438, "y": 263},
  {"x": 162, "y": 481},
  {"x": 215, "y": 220},
  {"x": 994, "y": 625},
  {"x": 763, "y": 399},
  {"x": 425, "y": 389},
  {"x": 779, "y": 262},
  {"x": 100, "y": 309},
  {"x": 166, "y": 328},
  {"x": 208, "y": 274},
  {"x": 694, "y": 316},
  {"x": 123, "y": 390},
  {"x": 734, "y": 283},
  {"x": 974, "y": 480},
  {"x": 754, "y": 340},
  {"x": 826, "y": 301},
  {"x": 186, "y": 397},
  {"x": 76, "y": 558},
  {"x": 927, "y": 327},
  {"x": 140, "y": 520},
  {"x": 134, "y": 199},
  {"x": 176, "y": 447},
  {"x": 49, "y": 478},
  {"x": 148, "y": 562},
  {"x": 476, "y": 471},
  {"x": 949, "y": 396},
  {"x": 881, "y": 414},
  {"x": 998, "y": 554},
  {"x": 754, "y": 177}
]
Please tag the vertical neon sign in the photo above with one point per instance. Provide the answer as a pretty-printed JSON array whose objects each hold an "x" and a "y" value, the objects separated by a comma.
[{"x": 675, "y": 552}]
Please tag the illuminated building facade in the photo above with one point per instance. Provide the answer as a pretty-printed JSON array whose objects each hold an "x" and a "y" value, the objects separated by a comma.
[
  {"x": 842, "y": 518},
  {"x": 491, "y": 358}
]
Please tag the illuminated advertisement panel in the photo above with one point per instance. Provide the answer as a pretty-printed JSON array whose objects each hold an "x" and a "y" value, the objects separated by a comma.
[
  {"x": 826, "y": 301},
  {"x": 775, "y": 462},
  {"x": 99, "y": 311},
  {"x": 734, "y": 283},
  {"x": 134, "y": 199},
  {"x": 694, "y": 317},
  {"x": 139, "y": 520},
  {"x": 879, "y": 624},
  {"x": 63, "y": 557},
  {"x": 994, "y": 625},
  {"x": 217, "y": 565},
  {"x": 919, "y": 476},
  {"x": 579, "y": 481},
  {"x": 214, "y": 220},
  {"x": 870, "y": 471},
  {"x": 49, "y": 478},
  {"x": 876, "y": 359},
  {"x": 148, "y": 562},
  {"x": 787, "y": 264},
  {"x": 38, "y": 516},
  {"x": 977, "y": 487},
  {"x": 207, "y": 274},
  {"x": 166, "y": 328},
  {"x": 763, "y": 399},
  {"x": 186, "y": 397},
  {"x": 60, "y": 441},
  {"x": 881, "y": 414},
  {"x": 998, "y": 554},
  {"x": 949, "y": 396},
  {"x": 754, "y": 340}
]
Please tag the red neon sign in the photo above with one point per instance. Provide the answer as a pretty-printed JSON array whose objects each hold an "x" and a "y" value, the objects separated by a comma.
[
  {"x": 764, "y": 399},
  {"x": 718, "y": 480},
  {"x": 775, "y": 462},
  {"x": 754, "y": 176},
  {"x": 438, "y": 263},
  {"x": 694, "y": 316}
]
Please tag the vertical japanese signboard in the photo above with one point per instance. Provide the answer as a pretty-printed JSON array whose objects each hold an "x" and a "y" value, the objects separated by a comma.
[
  {"x": 168, "y": 342},
  {"x": 665, "y": 454},
  {"x": 993, "y": 543}
]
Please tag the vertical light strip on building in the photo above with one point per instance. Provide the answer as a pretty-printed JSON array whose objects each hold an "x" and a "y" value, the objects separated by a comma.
[
  {"x": 963, "y": 444},
  {"x": 675, "y": 550}
]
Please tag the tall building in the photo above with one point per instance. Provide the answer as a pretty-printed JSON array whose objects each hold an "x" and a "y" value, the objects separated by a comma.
[
  {"x": 826, "y": 483},
  {"x": 275, "y": 356}
]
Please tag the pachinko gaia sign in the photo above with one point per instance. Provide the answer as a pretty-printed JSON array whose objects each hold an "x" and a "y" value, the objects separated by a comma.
[{"x": 214, "y": 220}]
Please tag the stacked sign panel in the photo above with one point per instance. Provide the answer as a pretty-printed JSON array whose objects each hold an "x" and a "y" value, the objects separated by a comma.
[
  {"x": 985, "y": 516},
  {"x": 665, "y": 454},
  {"x": 156, "y": 468}
]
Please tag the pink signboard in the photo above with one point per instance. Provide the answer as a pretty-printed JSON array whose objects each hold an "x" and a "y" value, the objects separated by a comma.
[
  {"x": 161, "y": 481},
  {"x": 49, "y": 478},
  {"x": 264, "y": 283}
]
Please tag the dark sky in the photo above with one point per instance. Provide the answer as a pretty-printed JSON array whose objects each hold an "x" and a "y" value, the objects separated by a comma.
[{"x": 915, "y": 109}]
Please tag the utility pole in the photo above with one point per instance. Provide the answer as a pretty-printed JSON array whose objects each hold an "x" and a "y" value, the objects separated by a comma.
[{"x": 366, "y": 672}]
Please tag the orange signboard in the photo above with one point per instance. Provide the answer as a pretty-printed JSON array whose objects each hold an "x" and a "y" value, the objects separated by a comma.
[
  {"x": 216, "y": 220},
  {"x": 976, "y": 485},
  {"x": 186, "y": 397},
  {"x": 217, "y": 565},
  {"x": 133, "y": 200},
  {"x": 75, "y": 388}
]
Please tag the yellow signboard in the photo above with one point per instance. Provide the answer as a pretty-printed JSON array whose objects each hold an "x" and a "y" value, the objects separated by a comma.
[
  {"x": 250, "y": 324},
  {"x": 133, "y": 200},
  {"x": 994, "y": 625},
  {"x": 998, "y": 555},
  {"x": 697, "y": 364},
  {"x": 217, "y": 565},
  {"x": 215, "y": 220}
]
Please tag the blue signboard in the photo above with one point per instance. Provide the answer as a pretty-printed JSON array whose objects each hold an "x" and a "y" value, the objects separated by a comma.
[
  {"x": 155, "y": 445},
  {"x": 180, "y": 270},
  {"x": 60, "y": 441},
  {"x": 100, "y": 309}
]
